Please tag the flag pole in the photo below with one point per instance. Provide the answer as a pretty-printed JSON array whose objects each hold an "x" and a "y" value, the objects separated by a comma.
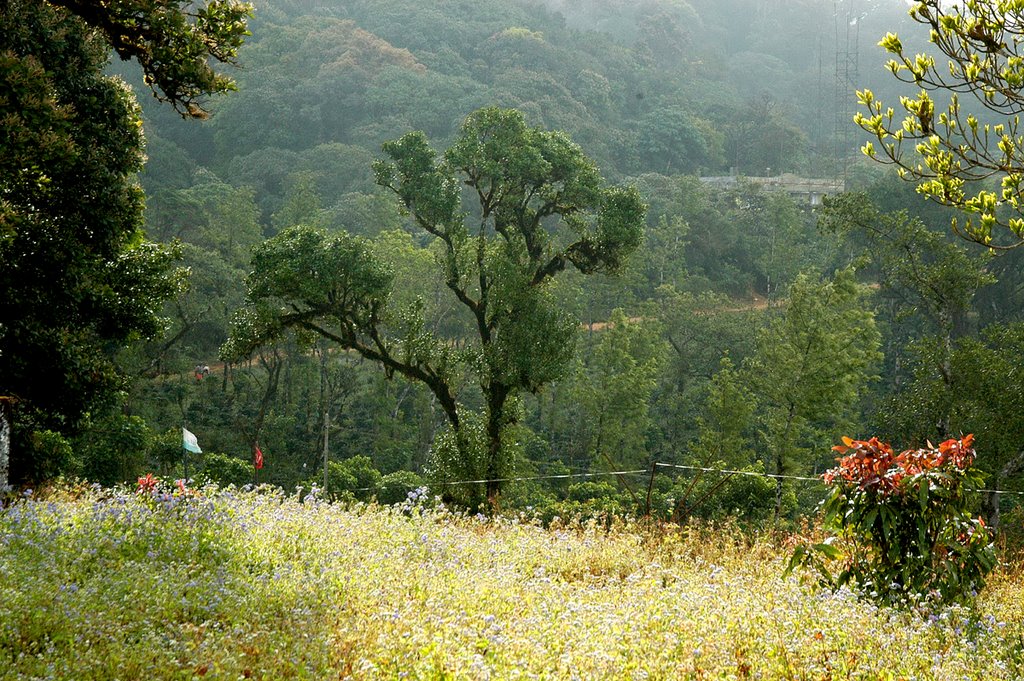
[
  {"x": 184, "y": 451},
  {"x": 189, "y": 443}
]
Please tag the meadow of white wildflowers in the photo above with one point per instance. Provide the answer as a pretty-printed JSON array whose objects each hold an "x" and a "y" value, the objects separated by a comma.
[{"x": 229, "y": 585}]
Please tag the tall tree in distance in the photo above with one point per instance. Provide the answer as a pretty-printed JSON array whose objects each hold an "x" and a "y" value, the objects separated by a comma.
[
  {"x": 78, "y": 278},
  {"x": 811, "y": 365},
  {"x": 956, "y": 158},
  {"x": 615, "y": 394},
  {"x": 534, "y": 205},
  {"x": 922, "y": 272}
]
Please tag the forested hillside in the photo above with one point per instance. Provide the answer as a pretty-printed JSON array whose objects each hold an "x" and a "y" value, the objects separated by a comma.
[{"x": 748, "y": 330}]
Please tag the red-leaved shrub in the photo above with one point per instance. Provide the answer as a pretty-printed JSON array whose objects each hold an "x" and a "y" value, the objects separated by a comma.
[{"x": 900, "y": 524}]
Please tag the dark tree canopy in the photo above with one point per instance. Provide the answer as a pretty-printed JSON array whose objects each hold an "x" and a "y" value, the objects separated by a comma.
[
  {"x": 78, "y": 278},
  {"x": 173, "y": 41}
]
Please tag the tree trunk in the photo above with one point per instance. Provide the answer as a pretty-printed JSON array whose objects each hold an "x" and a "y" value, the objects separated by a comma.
[
  {"x": 273, "y": 365},
  {"x": 497, "y": 396},
  {"x": 990, "y": 501},
  {"x": 945, "y": 367},
  {"x": 327, "y": 444},
  {"x": 780, "y": 461},
  {"x": 5, "y": 444}
]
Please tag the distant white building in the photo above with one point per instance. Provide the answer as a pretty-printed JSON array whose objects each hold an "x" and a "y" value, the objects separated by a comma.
[{"x": 808, "y": 191}]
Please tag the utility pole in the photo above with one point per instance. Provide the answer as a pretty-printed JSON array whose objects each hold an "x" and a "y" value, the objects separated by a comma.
[{"x": 327, "y": 432}]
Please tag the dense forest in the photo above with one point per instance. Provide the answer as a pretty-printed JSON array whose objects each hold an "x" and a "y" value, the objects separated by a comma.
[{"x": 748, "y": 330}]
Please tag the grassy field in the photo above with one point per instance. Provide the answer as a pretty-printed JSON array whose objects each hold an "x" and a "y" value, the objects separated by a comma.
[{"x": 231, "y": 585}]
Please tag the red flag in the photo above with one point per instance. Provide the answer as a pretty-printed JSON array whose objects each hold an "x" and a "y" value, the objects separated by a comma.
[{"x": 259, "y": 458}]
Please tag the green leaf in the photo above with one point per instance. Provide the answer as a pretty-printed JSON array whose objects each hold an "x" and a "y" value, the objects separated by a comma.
[
  {"x": 798, "y": 559},
  {"x": 828, "y": 550}
]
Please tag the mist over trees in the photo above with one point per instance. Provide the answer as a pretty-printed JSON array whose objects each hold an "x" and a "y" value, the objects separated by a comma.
[{"x": 378, "y": 313}]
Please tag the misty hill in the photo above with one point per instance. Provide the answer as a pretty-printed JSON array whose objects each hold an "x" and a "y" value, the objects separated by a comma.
[{"x": 663, "y": 86}]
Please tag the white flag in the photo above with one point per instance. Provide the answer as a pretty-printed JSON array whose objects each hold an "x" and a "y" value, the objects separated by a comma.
[{"x": 189, "y": 442}]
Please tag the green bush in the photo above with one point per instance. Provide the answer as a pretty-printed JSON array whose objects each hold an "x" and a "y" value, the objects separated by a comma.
[
  {"x": 589, "y": 491},
  {"x": 748, "y": 496},
  {"x": 226, "y": 470},
  {"x": 354, "y": 478},
  {"x": 52, "y": 455},
  {"x": 587, "y": 501},
  {"x": 114, "y": 448},
  {"x": 165, "y": 452},
  {"x": 395, "y": 487},
  {"x": 901, "y": 525}
]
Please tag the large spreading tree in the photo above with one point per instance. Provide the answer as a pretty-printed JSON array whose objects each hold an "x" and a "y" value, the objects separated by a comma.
[
  {"x": 78, "y": 278},
  {"x": 507, "y": 207}
]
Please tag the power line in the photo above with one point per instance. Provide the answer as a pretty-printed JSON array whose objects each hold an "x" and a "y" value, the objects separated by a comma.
[
  {"x": 732, "y": 472},
  {"x": 560, "y": 476},
  {"x": 790, "y": 477},
  {"x": 643, "y": 471}
]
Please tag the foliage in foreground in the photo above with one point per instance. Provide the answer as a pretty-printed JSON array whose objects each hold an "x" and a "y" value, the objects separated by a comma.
[
  {"x": 958, "y": 152},
  {"x": 901, "y": 523},
  {"x": 222, "y": 584}
]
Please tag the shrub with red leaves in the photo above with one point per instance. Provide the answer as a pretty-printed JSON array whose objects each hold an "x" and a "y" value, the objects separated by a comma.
[
  {"x": 147, "y": 484},
  {"x": 901, "y": 525}
]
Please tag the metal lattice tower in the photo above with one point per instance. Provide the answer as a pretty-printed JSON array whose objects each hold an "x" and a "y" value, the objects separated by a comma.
[{"x": 847, "y": 21}]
